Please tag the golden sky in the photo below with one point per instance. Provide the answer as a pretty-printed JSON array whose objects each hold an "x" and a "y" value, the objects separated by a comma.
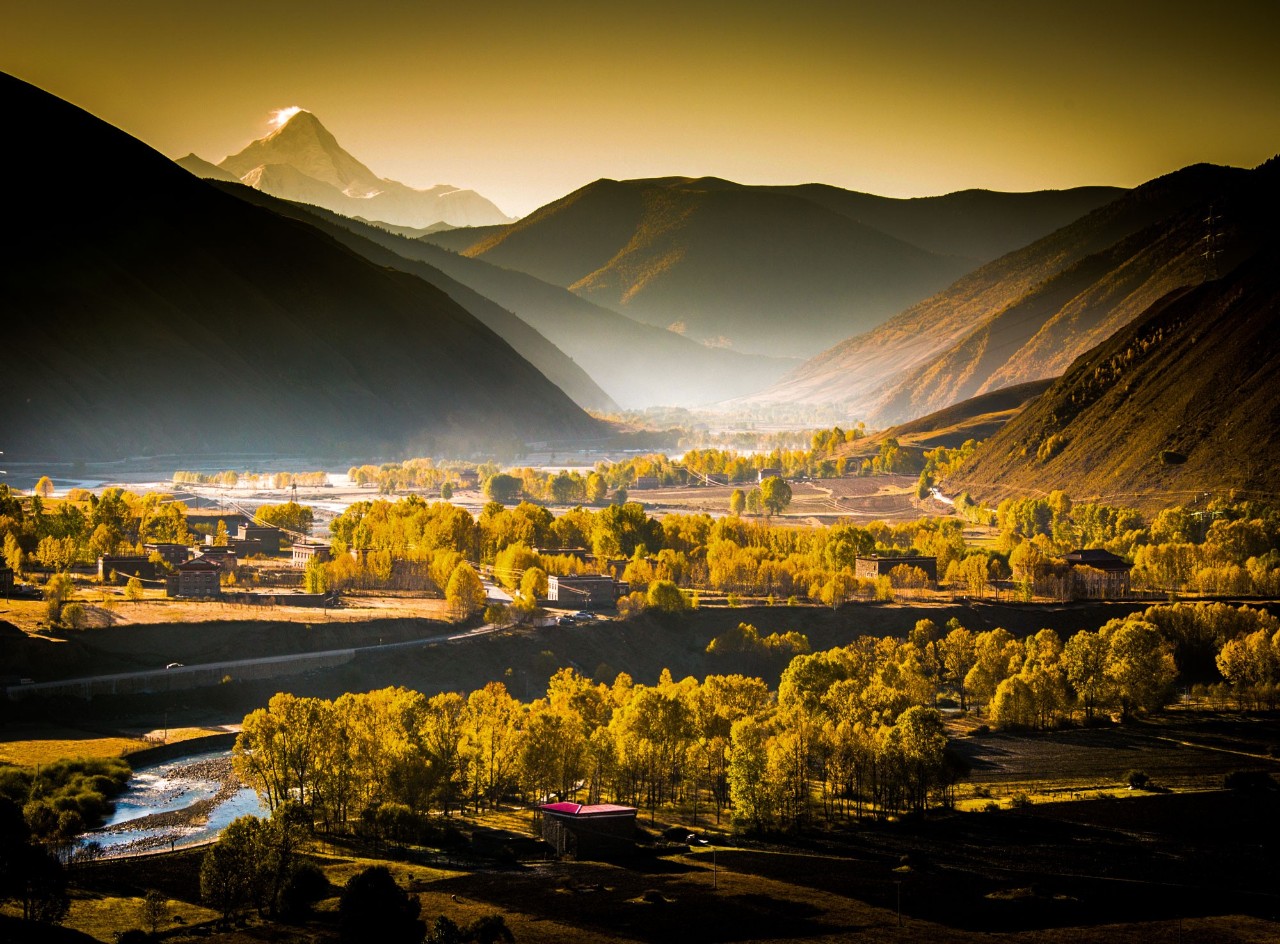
[{"x": 525, "y": 102}]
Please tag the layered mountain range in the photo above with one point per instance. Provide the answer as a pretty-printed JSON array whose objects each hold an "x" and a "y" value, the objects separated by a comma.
[
  {"x": 626, "y": 363},
  {"x": 301, "y": 160},
  {"x": 186, "y": 320},
  {"x": 765, "y": 270},
  {"x": 1030, "y": 313}
]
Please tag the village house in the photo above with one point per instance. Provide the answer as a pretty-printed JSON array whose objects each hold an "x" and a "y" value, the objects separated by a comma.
[
  {"x": 869, "y": 568},
  {"x": 125, "y": 566},
  {"x": 172, "y": 554},
  {"x": 304, "y": 553},
  {"x": 224, "y": 556},
  {"x": 604, "y": 830},
  {"x": 268, "y": 537},
  {"x": 768, "y": 474},
  {"x": 198, "y": 577},
  {"x": 584, "y": 590},
  {"x": 1098, "y": 574}
]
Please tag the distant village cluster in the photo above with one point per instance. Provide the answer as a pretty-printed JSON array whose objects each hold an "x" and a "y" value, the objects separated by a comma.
[{"x": 196, "y": 571}]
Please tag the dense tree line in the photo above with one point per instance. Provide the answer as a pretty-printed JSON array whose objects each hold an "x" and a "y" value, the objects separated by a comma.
[
  {"x": 252, "y": 480},
  {"x": 60, "y": 534},
  {"x": 357, "y": 760},
  {"x": 421, "y": 473},
  {"x": 59, "y": 801},
  {"x": 732, "y": 555},
  {"x": 849, "y": 731}
]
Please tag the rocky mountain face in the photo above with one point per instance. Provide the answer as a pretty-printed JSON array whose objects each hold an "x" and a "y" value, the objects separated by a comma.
[
  {"x": 301, "y": 160},
  {"x": 1180, "y": 401}
]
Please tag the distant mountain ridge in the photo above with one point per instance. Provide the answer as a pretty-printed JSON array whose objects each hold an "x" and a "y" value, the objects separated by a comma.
[
  {"x": 187, "y": 321},
  {"x": 1028, "y": 314},
  {"x": 637, "y": 364},
  {"x": 363, "y": 238},
  {"x": 301, "y": 160},
  {"x": 1181, "y": 401},
  {"x": 771, "y": 270}
]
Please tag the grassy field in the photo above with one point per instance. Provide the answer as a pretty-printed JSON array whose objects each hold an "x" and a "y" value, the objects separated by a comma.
[
  {"x": 32, "y": 744},
  {"x": 890, "y": 498}
]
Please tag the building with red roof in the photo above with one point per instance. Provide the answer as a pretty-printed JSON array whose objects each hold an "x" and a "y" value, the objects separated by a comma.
[{"x": 596, "y": 831}]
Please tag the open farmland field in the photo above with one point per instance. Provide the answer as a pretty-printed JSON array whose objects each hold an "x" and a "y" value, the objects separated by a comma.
[
  {"x": 857, "y": 499},
  {"x": 1178, "y": 750}
]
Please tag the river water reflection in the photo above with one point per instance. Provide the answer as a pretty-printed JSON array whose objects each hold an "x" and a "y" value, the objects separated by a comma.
[{"x": 174, "y": 804}]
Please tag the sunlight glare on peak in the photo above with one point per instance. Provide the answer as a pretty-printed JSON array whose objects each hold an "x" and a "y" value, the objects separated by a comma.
[{"x": 280, "y": 117}]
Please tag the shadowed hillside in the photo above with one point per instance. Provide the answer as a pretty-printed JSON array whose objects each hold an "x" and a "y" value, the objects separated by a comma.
[
  {"x": 185, "y": 320},
  {"x": 975, "y": 225},
  {"x": 638, "y": 365},
  {"x": 364, "y": 239},
  {"x": 1182, "y": 401},
  {"x": 977, "y": 418},
  {"x": 769, "y": 269},
  {"x": 1026, "y": 315}
]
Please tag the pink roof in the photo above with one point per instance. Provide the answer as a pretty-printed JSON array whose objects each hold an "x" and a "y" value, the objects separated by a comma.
[{"x": 598, "y": 809}]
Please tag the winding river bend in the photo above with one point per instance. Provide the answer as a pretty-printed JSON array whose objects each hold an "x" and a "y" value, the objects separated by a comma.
[{"x": 175, "y": 804}]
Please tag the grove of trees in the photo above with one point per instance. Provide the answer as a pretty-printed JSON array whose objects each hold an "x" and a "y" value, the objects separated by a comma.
[{"x": 848, "y": 732}]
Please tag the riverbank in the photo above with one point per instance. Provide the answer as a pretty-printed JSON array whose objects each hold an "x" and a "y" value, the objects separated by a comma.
[{"x": 177, "y": 803}]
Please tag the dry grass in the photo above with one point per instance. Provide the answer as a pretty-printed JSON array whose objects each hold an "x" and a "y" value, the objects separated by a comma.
[
  {"x": 104, "y": 916},
  {"x": 30, "y": 616},
  {"x": 339, "y": 869},
  {"x": 31, "y": 744},
  {"x": 888, "y": 498}
]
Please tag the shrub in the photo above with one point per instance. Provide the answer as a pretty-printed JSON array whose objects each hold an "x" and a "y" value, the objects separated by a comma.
[
  {"x": 1137, "y": 779},
  {"x": 306, "y": 886},
  {"x": 74, "y": 616},
  {"x": 1020, "y": 801},
  {"x": 374, "y": 908},
  {"x": 1249, "y": 781}
]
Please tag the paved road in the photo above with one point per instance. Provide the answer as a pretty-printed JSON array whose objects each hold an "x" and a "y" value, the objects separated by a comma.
[{"x": 190, "y": 676}]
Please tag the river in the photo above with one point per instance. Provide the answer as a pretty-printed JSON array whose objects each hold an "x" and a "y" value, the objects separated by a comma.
[{"x": 176, "y": 803}]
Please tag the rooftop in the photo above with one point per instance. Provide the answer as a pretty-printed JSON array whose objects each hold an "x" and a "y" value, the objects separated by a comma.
[{"x": 597, "y": 809}]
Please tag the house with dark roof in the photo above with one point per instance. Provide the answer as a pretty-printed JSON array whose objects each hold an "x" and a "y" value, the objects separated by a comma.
[
  {"x": 869, "y": 568},
  {"x": 172, "y": 554},
  {"x": 584, "y": 590},
  {"x": 598, "y": 831},
  {"x": 198, "y": 577},
  {"x": 1098, "y": 574},
  {"x": 125, "y": 566}
]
